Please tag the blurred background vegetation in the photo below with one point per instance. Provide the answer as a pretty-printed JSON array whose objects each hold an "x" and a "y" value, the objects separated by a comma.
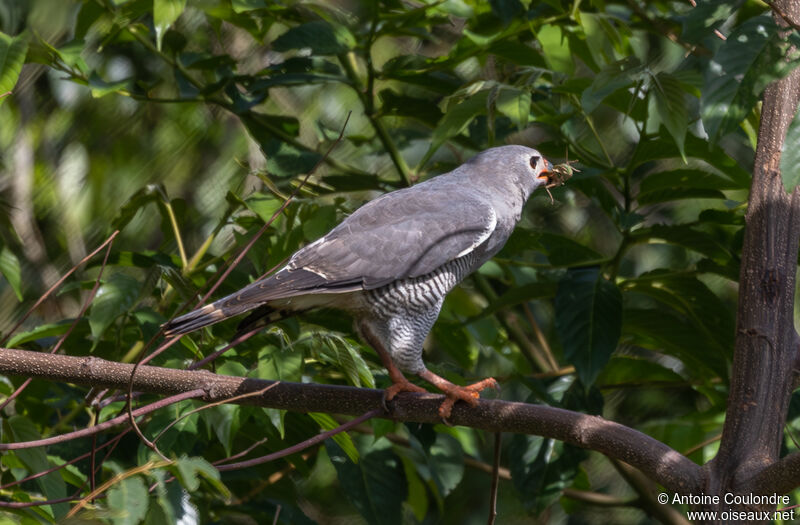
[{"x": 185, "y": 125}]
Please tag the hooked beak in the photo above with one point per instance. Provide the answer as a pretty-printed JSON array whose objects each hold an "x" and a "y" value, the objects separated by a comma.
[{"x": 547, "y": 172}]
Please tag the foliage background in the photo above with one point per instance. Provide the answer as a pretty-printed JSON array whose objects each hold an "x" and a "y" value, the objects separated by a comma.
[{"x": 186, "y": 125}]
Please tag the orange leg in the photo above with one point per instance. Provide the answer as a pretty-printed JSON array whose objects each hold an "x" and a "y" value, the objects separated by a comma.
[
  {"x": 453, "y": 393},
  {"x": 399, "y": 381}
]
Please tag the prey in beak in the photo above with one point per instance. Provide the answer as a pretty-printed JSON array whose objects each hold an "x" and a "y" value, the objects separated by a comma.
[{"x": 557, "y": 175}]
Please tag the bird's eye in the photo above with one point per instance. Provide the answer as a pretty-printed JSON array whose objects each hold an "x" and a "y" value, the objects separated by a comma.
[{"x": 535, "y": 160}]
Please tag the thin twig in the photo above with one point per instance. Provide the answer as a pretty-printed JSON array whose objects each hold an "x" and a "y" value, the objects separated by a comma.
[
  {"x": 319, "y": 438},
  {"x": 214, "y": 404},
  {"x": 75, "y": 322},
  {"x": 86, "y": 432},
  {"x": 498, "y": 437},
  {"x": 54, "y": 287}
]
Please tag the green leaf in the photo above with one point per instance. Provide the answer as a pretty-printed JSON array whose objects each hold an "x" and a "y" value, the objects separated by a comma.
[
  {"x": 671, "y": 106},
  {"x": 542, "y": 468},
  {"x": 555, "y": 48},
  {"x": 343, "y": 439},
  {"x": 12, "y": 56},
  {"x": 346, "y": 356},
  {"x": 686, "y": 236},
  {"x": 716, "y": 159},
  {"x": 146, "y": 195},
  {"x": 100, "y": 88},
  {"x": 129, "y": 499},
  {"x": 517, "y": 295},
  {"x": 790, "y": 155},
  {"x": 190, "y": 471},
  {"x": 114, "y": 298},
  {"x": 688, "y": 295},
  {"x": 634, "y": 371},
  {"x": 165, "y": 12},
  {"x": 686, "y": 178},
  {"x": 613, "y": 77},
  {"x": 701, "y": 20},
  {"x": 322, "y": 37},
  {"x": 241, "y": 6},
  {"x": 280, "y": 364},
  {"x": 319, "y": 222},
  {"x": 515, "y": 104},
  {"x": 263, "y": 204},
  {"x": 455, "y": 120},
  {"x": 285, "y": 160},
  {"x": 377, "y": 484},
  {"x": 664, "y": 330},
  {"x": 751, "y": 57},
  {"x": 444, "y": 461},
  {"x": 223, "y": 421},
  {"x": 588, "y": 310},
  {"x": 20, "y": 428},
  {"x": 10, "y": 269},
  {"x": 40, "y": 332}
]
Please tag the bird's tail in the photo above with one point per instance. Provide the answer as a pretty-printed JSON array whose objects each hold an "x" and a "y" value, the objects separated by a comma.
[{"x": 205, "y": 316}]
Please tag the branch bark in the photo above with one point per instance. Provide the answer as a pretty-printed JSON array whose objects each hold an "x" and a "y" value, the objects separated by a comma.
[
  {"x": 766, "y": 340},
  {"x": 658, "y": 461}
]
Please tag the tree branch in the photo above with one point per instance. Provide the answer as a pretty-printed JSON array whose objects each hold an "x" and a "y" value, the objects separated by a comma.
[
  {"x": 766, "y": 340},
  {"x": 660, "y": 462}
]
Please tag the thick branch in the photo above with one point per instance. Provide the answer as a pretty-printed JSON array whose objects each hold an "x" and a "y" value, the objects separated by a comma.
[
  {"x": 661, "y": 463},
  {"x": 766, "y": 340},
  {"x": 779, "y": 478}
]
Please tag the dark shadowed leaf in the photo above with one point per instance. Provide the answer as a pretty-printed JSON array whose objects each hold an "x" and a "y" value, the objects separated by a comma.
[
  {"x": 633, "y": 371},
  {"x": 752, "y": 56},
  {"x": 376, "y": 486},
  {"x": 542, "y": 468},
  {"x": 615, "y": 76},
  {"x": 686, "y": 236},
  {"x": 588, "y": 311},
  {"x": 322, "y": 37},
  {"x": 19, "y": 428},
  {"x": 671, "y": 106},
  {"x": 663, "y": 330}
]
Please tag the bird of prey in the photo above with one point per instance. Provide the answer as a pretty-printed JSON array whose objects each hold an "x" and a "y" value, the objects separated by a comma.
[{"x": 392, "y": 261}]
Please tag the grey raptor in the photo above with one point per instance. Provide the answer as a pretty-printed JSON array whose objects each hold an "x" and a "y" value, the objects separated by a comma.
[{"x": 392, "y": 261}]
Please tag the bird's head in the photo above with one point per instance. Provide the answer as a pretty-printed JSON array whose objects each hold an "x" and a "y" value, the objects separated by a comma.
[{"x": 542, "y": 169}]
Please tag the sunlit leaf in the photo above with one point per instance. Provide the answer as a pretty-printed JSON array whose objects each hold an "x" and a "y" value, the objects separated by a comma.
[
  {"x": 129, "y": 498},
  {"x": 10, "y": 269},
  {"x": 165, "y": 12},
  {"x": 12, "y": 56},
  {"x": 114, "y": 298},
  {"x": 343, "y": 439}
]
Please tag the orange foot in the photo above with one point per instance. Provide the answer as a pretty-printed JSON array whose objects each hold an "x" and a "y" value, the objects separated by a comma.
[
  {"x": 454, "y": 393},
  {"x": 400, "y": 384}
]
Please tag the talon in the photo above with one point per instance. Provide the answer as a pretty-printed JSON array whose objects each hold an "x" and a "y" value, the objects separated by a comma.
[{"x": 395, "y": 388}]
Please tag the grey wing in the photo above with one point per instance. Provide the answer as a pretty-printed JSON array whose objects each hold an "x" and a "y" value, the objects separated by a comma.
[{"x": 402, "y": 234}]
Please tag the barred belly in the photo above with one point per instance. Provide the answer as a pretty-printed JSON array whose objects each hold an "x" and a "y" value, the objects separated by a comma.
[{"x": 402, "y": 313}]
